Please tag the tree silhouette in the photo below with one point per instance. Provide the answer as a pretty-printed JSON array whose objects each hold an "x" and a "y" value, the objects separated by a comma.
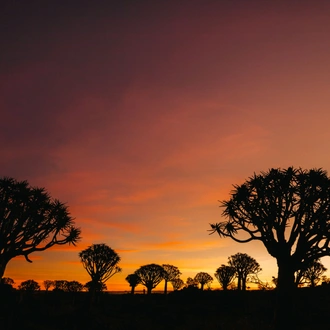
[
  {"x": 254, "y": 278},
  {"x": 312, "y": 275},
  {"x": 191, "y": 283},
  {"x": 244, "y": 265},
  {"x": 63, "y": 285},
  {"x": 150, "y": 276},
  {"x": 288, "y": 210},
  {"x": 31, "y": 221},
  {"x": 133, "y": 280},
  {"x": 100, "y": 262},
  {"x": 60, "y": 285},
  {"x": 29, "y": 285},
  {"x": 177, "y": 284},
  {"x": 225, "y": 274},
  {"x": 95, "y": 287},
  {"x": 7, "y": 281},
  {"x": 171, "y": 273},
  {"x": 48, "y": 284},
  {"x": 74, "y": 286},
  {"x": 203, "y": 278}
]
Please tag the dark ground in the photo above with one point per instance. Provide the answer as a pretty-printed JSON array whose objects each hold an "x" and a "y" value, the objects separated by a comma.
[{"x": 193, "y": 310}]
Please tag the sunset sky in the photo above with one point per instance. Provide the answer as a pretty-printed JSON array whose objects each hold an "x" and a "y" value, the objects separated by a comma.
[{"x": 141, "y": 115}]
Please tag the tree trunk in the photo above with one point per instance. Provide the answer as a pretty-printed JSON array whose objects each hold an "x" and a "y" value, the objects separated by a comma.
[
  {"x": 285, "y": 291},
  {"x": 239, "y": 282},
  {"x": 243, "y": 283},
  {"x": 132, "y": 289},
  {"x": 202, "y": 286},
  {"x": 149, "y": 288},
  {"x": 313, "y": 282},
  {"x": 165, "y": 287}
]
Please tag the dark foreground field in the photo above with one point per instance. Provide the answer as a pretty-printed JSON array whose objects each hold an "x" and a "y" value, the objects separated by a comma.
[{"x": 214, "y": 310}]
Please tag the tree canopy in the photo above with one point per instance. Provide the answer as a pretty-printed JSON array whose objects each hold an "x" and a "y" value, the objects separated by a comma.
[
  {"x": 171, "y": 273},
  {"x": 48, "y": 284},
  {"x": 150, "y": 276},
  {"x": 29, "y": 285},
  {"x": 244, "y": 265},
  {"x": 225, "y": 274},
  {"x": 177, "y": 284},
  {"x": 288, "y": 210},
  {"x": 191, "y": 283},
  {"x": 133, "y": 280},
  {"x": 30, "y": 220},
  {"x": 74, "y": 286},
  {"x": 311, "y": 275},
  {"x": 95, "y": 287},
  {"x": 203, "y": 278},
  {"x": 7, "y": 280},
  {"x": 100, "y": 262}
]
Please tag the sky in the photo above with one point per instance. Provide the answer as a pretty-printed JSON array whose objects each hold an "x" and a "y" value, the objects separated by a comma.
[{"x": 141, "y": 116}]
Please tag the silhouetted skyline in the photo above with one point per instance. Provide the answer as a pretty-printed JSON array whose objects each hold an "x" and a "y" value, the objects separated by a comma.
[{"x": 141, "y": 116}]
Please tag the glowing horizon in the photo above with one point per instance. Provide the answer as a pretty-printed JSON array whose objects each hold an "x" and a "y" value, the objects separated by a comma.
[{"x": 141, "y": 116}]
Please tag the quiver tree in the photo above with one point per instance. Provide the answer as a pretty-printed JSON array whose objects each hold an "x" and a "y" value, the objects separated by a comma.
[
  {"x": 74, "y": 286},
  {"x": 64, "y": 285},
  {"x": 29, "y": 285},
  {"x": 225, "y": 274},
  {"x": 31, "y": 221},
  {"x": 133, "y": 280},
  {"x": 177, "y": 284},
  {"x": 7, "y": 281},
  {"x": 191, "y": 283},
  {"x": 312, "y": 275},
  {"x": 171, "y": 273},
  {"x": 48, "y": 284},
  {"x": 203, "y": 278},
  {"x": 288, "y": 210},
  {"x": 60, "y": 285},
  {"x": 95, "y": 287},
  {"x": 100, "y": 262},
  {"x": 150, "y": 276},
  {"x": 244, "y": 265}
]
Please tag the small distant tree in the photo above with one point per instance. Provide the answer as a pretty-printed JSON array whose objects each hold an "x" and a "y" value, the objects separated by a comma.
[
  {"x": 191, "y": 283},
  {"x": 312, "y": 275},
  {"x": 225, "y": 274},
  {"x": 244, "y": 265},
  {"x": 133, "y": 280},
  {"x": 264, "y": 286},
  {"x": 150, "y": 276},
  {"x": 48, "y": 284},
  {"x": 203, "y": 278},
  {"x": 177, "y": 284},
  {"x": 171, "y": 273},
  {"x": 29, "y": 285},
  {"x": 254, "y": 278},
  {"x": 100, "y": 262},
  {"x": 7, "y": 281},
  {"x": 95, "y": 287},
  {"x": 31, "y": 221},
  {"x": 74, "y": 286},
  {"x": 60, "y": 285}
]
